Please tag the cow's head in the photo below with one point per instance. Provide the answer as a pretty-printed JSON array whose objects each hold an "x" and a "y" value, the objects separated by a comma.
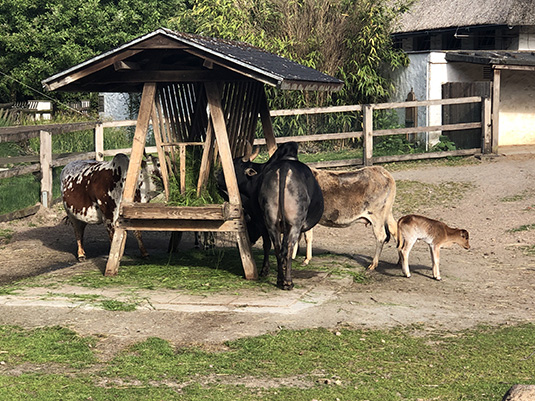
[{"x": 245, "y": 171}]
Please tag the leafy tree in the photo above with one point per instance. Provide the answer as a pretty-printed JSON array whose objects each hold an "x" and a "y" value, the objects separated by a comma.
[
  {"x": 349, "y": 39},
  {"x": 39, "y": 38}
]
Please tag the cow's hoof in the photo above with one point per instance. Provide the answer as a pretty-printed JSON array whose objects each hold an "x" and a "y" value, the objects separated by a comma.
[
  {"x": 438, "y": 278},
  {"x": 81, "y": 258},
  {"x": 286, "y": 285},
  {"x": 371, "y": 267},
  {"x": 145, "y": 256}
]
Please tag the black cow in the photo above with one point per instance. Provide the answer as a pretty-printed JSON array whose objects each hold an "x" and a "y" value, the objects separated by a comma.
[{"x": 280, "y": 198}]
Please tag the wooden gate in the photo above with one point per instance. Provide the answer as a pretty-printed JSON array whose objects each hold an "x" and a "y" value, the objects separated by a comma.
[{"x": 464, "y": 113}]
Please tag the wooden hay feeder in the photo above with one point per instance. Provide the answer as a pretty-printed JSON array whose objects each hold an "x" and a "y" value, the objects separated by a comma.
[{"x": 196, "y": 91}]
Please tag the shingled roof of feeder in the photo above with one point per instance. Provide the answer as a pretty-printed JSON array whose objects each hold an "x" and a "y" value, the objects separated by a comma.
[{"x": 168, "y": 56}]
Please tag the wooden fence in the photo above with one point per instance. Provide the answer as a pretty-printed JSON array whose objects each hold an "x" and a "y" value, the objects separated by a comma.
[{"x": 47, "y": 161}]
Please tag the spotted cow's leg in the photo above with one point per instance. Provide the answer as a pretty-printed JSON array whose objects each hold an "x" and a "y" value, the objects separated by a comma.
[{"x": 79, "y": 228}]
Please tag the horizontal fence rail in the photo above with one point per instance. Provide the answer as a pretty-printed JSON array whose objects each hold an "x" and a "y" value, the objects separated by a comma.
[{"x": 46, "y": 161}]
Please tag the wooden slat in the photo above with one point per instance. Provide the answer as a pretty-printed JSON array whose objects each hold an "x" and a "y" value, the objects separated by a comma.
[
  {"x": 422, "y": 156},
  {"x": 127, "y": 151},
  {"x": 206, "y": 160},
  {"x": 214, "y": 100},
  {"x": 337, "y": 163},
  {"x": 164, "y": 76},
  {"x": 434, "y": 102},
  {"x": 312, "y": 138},
  {"x": 431, "y": 128},
  {"x": 486, "y": 122},
  {"x": 148, "y": 211},
  {"x": 220, "y": 131},
  {"x": 368, "y": 135},
  {"x": 90, "y": 69},
  {"x": 19, "y": 214},
  {"x": 182, "y": 159},
  {"x": 13, "y": 172},
  {"x": 115, "y": 124},
  {"x": 183, "y": 225},
  {"x": 138, "y": 146},
  {"x": 316, "y": 110},
  {"x": 157, "y": 127},
  {"x": 45, "y": 153},
  {"x": 4, "y": 161},
  {"x": 267, "y": 126},
  {"x": 20, "y": 133},
  {"x": 496, "y": 88}
]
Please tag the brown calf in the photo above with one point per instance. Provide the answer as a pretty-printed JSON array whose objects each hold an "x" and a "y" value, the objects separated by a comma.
[{"x": 435, "y": 233}]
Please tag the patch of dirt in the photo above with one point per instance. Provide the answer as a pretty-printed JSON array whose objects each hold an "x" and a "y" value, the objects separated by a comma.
[{"x": 492, "y": 283}]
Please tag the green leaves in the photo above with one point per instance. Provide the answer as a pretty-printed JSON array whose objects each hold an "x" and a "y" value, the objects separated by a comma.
[{"x": 40, "y": 38}]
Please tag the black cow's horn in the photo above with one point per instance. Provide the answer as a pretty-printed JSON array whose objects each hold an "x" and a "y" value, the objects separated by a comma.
[{"x": 249, "y": 155}]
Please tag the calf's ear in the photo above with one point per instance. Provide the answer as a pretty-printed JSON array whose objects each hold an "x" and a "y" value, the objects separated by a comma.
[{"x": 250, "y": 172}]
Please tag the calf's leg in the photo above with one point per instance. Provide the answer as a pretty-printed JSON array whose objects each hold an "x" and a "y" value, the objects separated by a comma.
[
  {"x": 404, "y": 251},
  {"x": 290, "y": 239},
  {"x": 308, "y": 241},
  {"x": 435, "y": 258}
]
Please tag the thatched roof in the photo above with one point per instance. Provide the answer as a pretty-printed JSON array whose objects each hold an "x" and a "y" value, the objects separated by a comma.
[{"x": 439, "y": 14}]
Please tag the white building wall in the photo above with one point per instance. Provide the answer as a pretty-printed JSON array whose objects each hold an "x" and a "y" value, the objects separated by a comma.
[
  {"x": 413, "y": 77},
  {"x": 425, "y": 75},
  {"x": 116, "y": 106},
  {"x": 526, "y": 38},
  {"x": 517, "y": 108}
]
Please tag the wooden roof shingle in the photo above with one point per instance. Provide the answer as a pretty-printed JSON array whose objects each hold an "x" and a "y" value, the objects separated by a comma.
[{"x": 169, "y": 56}]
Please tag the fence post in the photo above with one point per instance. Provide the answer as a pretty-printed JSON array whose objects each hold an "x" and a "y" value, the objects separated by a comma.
[
  {"x": 367, "y": 129},
  {"x": 99, "y": 141},
  {"x": 45, "y": 157},
  {"x": 486, "y": 125}
]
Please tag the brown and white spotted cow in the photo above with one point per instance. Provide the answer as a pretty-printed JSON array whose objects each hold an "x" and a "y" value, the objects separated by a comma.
[{"x": 92, "y": 192}]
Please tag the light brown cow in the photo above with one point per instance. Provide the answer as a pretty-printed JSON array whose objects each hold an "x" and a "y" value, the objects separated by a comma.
[
  {"x": 365, "y": 195},
  {"x": 435, "y": 233}
]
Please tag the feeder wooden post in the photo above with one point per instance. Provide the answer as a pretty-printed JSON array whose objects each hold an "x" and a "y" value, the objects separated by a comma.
[
  {"x": 267, "y": 126},
  {"x": 138, "y": 146},
  {"x": 220, "y": 130},
  {"x": 157, "y": 127}
]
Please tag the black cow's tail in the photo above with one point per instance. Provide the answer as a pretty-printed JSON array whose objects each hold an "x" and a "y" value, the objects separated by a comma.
[{"x": 283, "y": 172}]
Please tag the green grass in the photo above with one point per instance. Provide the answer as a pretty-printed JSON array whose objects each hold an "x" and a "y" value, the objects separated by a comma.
[
  {"x": 23, "y": 191},
  {"x": 527, "y": 193},
  {"x": 205, "y": 272},
  {"x": 19, "y": 192},
  {"x": 192, "y": 271},
  {"x": 528, "y": 250},
  {"x": 346, "y": 364},
  {"x": 5, "y": 236},
  {"x": 524, "y": 227},
  {"x": 45, "y": 345},
  {"x": 114, "y": 305}
]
